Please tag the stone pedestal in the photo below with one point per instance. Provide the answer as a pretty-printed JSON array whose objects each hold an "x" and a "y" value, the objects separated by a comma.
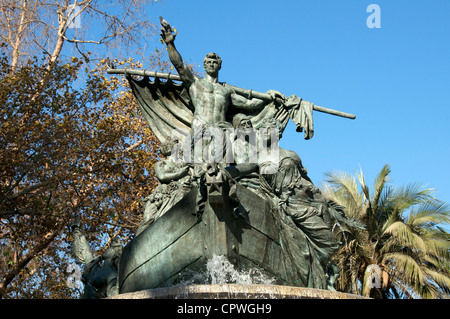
[{"x": 234, "y": 291}]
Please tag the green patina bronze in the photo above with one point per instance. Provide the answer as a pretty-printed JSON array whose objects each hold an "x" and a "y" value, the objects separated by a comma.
[{"x": 257, "y": 207}]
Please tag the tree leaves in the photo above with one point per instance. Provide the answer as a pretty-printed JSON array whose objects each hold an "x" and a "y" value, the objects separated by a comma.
[
  {"x": 70, "y": 150},
  {"x": 70, "y": 145},
  {"x": 404, "y": 235}
]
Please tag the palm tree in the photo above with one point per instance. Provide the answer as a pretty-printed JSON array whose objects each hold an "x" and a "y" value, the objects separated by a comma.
[{"x": 403, "y": 250}]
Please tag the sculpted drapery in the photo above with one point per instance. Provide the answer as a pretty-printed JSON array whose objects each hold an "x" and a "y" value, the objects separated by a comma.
[{"x": 168, "y": 108}]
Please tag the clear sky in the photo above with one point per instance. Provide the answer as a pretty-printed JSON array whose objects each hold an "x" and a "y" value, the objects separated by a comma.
[{"x": 396, "y": 78}]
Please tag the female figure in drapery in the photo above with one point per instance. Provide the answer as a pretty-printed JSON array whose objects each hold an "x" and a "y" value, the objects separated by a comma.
[
  {"x": 303, "y": 215},
  {"x": 175, "y": 181}
]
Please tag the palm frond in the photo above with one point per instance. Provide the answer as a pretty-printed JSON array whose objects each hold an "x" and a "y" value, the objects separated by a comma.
[
  {"x": 403, "y": 235},
  {"x": 379, "y": 185},
  {"x": 442, "y": 280},
  {"x": 429, "y": 214},
  {"x": 391, "y": 217},
  {"x": 405, "y": 267},
  {"x": 346, "y": 189},
  {"x": 438, "y": 249},
  {"x": 350, "y": 208},
  {"x": 362, "y": 182},
  {"x": 369, "y": 212},
  {"x": 426, "y": 291},
  {"x": 396, "y": 202},
  {"x": 386, "y": 213},
  {"x": 436, "y": 263},
  {"x": 412, "y": 194},
  {"x": 403, "y": 290},
  {"x": 328, "y": 192}
]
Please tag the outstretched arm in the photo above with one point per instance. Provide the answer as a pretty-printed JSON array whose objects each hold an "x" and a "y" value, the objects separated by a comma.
[
  {"x": 242, "y": 102},
  {"x": 168, "y": 37}
]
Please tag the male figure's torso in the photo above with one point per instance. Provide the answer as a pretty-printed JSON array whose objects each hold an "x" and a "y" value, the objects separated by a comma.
[{"x": 211, "y": 102}]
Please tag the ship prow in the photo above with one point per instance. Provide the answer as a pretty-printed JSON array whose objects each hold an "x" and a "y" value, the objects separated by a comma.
[{"x": 184, "y": 239}]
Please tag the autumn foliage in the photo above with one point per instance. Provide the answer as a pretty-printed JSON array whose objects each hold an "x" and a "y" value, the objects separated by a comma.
[{"x": 69, "y": 146}]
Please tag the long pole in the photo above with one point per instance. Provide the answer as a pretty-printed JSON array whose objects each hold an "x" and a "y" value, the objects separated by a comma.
[{"x": 241, "y": 91}]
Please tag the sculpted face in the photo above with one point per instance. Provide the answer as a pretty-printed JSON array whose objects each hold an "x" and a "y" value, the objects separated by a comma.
[
  {"x": 266, "y": 133},
  {"x": 211, "y": 66},
  {"x": 245, "y": 124},
  {"x": 270, "y": 129}
]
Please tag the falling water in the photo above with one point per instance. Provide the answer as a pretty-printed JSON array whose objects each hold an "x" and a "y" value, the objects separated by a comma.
[
  {"x": 220, "y": 271},
  {"x": 220, "y": 280},
  {"x": 342, "y": 230}
]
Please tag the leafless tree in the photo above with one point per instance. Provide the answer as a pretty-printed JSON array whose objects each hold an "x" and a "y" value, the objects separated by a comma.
[{"x": 33, "y": 27}]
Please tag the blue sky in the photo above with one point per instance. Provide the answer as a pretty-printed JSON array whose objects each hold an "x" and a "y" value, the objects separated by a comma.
[{"x": 396, "y": 78}]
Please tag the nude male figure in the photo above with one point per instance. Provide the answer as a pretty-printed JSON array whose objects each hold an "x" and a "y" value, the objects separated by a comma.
[{"x": 211, "y": 99}]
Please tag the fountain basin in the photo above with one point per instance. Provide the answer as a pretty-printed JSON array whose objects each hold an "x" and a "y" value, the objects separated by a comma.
[{"x": 236, "y": 291}]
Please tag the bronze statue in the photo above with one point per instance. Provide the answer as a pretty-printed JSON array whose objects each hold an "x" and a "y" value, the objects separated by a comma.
[
  {"x": 100, "y": 273},
  {"x": 247, "y": 198}
]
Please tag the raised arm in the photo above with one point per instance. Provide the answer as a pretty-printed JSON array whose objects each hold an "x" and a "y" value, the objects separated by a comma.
[{"x": 168, "y": 36}]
